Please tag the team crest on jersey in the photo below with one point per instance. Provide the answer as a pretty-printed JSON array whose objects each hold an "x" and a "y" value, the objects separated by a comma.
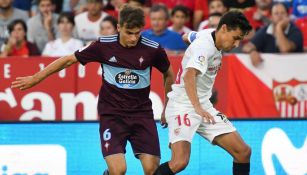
[
  {"x": 127, "y": 78},
  {"x": 290, "y": 98},
  {"x": 202, "y": 60},
  {"x": 141, "y": 59},
  {"x": 177, "y": 131}
]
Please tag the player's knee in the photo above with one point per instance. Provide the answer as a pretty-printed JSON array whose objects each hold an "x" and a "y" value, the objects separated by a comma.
[
  {"x": 117, "y": 170},
  {"x": 150, "y": 170},
  {"x": 180, "y": 164},
  {"x": 244, "y": 154}
]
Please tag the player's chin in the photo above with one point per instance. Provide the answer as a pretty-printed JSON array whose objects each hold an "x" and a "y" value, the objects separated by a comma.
[{"x": 132, "y": 44}]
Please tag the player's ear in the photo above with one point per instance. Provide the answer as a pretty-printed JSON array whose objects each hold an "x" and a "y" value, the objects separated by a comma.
[{"x": 224, "y": 28}]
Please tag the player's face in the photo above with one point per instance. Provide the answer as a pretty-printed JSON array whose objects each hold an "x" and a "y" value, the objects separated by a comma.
[
  {"x": 231, "y": 38},
  {"x": 129, "y": 37}
]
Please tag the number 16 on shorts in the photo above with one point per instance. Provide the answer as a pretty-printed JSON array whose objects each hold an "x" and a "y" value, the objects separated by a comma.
[{"x": 183, "y": 127}]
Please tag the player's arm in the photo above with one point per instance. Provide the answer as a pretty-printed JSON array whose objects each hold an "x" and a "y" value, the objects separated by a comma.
[
  {"x": 29, "y": 81},
  {"x": 168, "y": 78},
  {"x": 188, "y": 38},
  {"x": 190, "y": 87}
]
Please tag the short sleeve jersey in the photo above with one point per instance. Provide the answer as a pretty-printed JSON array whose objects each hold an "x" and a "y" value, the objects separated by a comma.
[
  {"x": 126, "y": 74},
  {"x": 206, "y": 58}
]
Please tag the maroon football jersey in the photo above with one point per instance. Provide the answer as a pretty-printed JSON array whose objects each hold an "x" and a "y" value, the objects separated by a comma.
[{"x": 126, "y": 74}]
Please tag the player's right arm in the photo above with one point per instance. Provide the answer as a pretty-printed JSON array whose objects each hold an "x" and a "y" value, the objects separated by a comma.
[
  {"x": 188, "y": 38},
  {"x": 27, "y": 82},
  {"x": 190, "y": 87}
]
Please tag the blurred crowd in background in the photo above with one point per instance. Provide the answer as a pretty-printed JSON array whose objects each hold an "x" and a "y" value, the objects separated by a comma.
[{"x": 59, "y": 27}]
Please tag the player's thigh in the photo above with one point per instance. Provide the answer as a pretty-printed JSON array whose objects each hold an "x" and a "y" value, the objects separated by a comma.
[
  {"x": 113, "y": 135},
  {"x": 116, "y": 163},
  {"x": 211, "y": 131},
  {"x": 149, "y": 162},
  {"x": 144, "y": 137},
  {"x": 182, "y": 126}
]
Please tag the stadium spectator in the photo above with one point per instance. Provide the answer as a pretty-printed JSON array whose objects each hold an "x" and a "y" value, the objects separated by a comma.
[
  {"x": 215, "y": 6},
  {"x": 23, "y": 5},
  {"x": 288, "y": 3},
  {"x": 281, "y": 36},
  {"x": 179, "y": 17},
  {"x": 43, "y": 26},
  {"x": 201, "y": 12},
  {"x": 65, "y": 44},
  {"x": 239, "y": 4},
  {"x": 108, "y": 26},
  {"x": 8, "y": 14},
  {"x": 141, "y": 4},
  {"x": 88, "y": 23},
  {"x": 169, "y": 40},
  {"x": 259, "y": 15},
  {"x": 113, "y": 7},
  {"x": 301, "y": 23},
  {"x": 214, "y": 20},
  {"x": 17, "y": 44},
  {"x": 299, "y": 8}
]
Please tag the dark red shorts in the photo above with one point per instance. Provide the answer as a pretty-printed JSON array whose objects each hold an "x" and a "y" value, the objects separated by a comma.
[{"x": 142, "y": 134}]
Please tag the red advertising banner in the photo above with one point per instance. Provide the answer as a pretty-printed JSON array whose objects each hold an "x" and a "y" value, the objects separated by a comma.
[
  {"x": 275, "y": 89},
  {"x": 70, "y": 95}
]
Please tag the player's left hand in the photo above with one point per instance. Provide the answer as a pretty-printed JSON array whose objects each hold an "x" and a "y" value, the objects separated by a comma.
[
  {"x": 163, "y": 120},
  {"x": 23, "y": 83}
]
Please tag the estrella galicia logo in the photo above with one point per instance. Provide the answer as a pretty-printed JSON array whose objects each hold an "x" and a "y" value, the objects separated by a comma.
[{"x": 127, "y": 79}]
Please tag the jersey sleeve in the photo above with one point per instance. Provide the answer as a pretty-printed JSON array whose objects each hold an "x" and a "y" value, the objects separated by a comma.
[
  {"x": 161, "y": 60},
  {"x": 89, "y": 53},
  {"x": 199, "y": 58},
  {"x": 194, "y": 35}
]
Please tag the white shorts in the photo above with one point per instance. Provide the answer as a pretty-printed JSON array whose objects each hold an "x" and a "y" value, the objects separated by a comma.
[{"x": 183, "y": 122}]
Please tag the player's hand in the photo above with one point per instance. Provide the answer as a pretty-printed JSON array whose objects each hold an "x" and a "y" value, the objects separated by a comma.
[
  {"x": 23, "y": 83},
  {"x": 208, "y": 117},
  {"x": 163, "y": 120}
]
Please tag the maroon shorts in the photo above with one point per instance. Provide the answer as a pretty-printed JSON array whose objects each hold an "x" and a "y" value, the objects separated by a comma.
[{"x": 142, "y": 134}]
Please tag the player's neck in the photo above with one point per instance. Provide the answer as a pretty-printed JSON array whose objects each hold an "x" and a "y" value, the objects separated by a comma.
[
  {"x": 122, "y": 42},
  {"x": 216, "y": 39}
]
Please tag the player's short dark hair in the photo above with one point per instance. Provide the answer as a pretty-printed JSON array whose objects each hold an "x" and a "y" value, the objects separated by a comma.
[
  {"x": 234, "y": 20},
  {"x": 131, "y": 17},
  {"x": 160, "y": 7},
  {"x": 12, "y": 25},
  {"x": 68, "y": 16},
  {"x": 282, "y": 4},
  {"x": 180, "y": 8},
  {"x": 112, "y": 20}
]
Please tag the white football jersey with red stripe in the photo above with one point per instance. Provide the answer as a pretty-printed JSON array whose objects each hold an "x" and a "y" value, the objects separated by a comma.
[{"x": 206, "y": 58}]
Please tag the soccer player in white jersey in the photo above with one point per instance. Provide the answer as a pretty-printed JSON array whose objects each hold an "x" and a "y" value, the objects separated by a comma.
[{"x": 189, "y": 109}]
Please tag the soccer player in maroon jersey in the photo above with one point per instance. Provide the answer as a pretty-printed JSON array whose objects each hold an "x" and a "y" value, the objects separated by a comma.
[{"x": 124, "y": 106}]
